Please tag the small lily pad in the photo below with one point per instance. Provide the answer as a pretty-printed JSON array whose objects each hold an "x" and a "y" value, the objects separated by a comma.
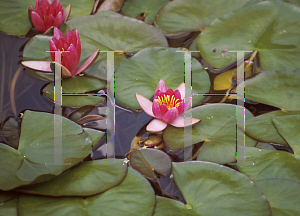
[
  {"x": 133, "y": 196},
  {"x": 270, "y": 164},
  {"x": 282, "y": 194},
  {"x": 133, "y": 8},
  {"x": 76, "y": 85},
  {"x": 9, "y": 208},
  {"x": 142, "y": 73},
  {"x": 10, "y": 131},
  {"x": 150, "y": 161}
]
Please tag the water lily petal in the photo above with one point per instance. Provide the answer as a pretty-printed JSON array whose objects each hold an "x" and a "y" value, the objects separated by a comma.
[
  {"x": 37, "y": 22},
  {"x": 187, "y": 104},
  {"x": 145, "y": 104},
  {"x": 52, "y": 48},
  {"x": 179, "y": 122},
  {"x": 78, "y": 45},
  {"x": 38, "y": 65},
  {"x": 180, "y": 108},
  {"x": 48, "y": 22},
  {"x": 65, "y": 73},
  {"x": 162, "y": 86},
  {"x": 163, "y": 109},
  {"x": 88, "y": 62},
  {"x": 181, "y": 89},
  {"x": 156, "y": 109},
  {"x": 57, "y": 33},
  {"x": 66, "y": 13},
  {"x": 171, "y": 115},
  {"x": 58, "y": 20},
  {"x": 156, "y": 126},
  {"x": 70, "y": 59}
]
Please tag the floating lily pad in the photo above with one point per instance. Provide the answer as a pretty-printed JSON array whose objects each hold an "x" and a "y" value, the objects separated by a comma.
[
  {"x": 217, "y": 128},
  {"x": 14, "y": 17},
  {"x": 194, "y": 47},
  {"x": 75, "y": 85},
  {"x": 262, "y": 128},
  {"x": 142, "y": 72},
  {"x": 282, "y": 194},
  {"x": 273, "y": 31},
  {"x": 9, "y": 208},
  {"x": 10, "y": 131},
  {"x": 32, "y": 161},
  {"x": 211, "y": 189},
  {"x": 95, "y": 135},
  {"x": 194, "y": 15},
  {"x": 88, "y": 178},
  {"x": 133, "y": 8},
  {"x": 266, "y": 146},
  {"x": 133, "y": 196},
  {"x": 276, "y": 88},
  {"x": 288, "y": 127},
  {"x": 271, "y": 164},
  {"x": 151, "y": 161}
]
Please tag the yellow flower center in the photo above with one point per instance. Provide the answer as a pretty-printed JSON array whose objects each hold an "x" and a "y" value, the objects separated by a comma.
[{"x": 170, "y": 102}]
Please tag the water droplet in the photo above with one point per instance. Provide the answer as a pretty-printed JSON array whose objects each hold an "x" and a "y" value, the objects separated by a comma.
[
  {"x": 259, "y": 149},
  {"x": 249, "y": 41},
  {"x": 188, "y": 206},
  {"x": 212, "y": 117},
  {"x": 205, "y": 68},
  {"x": 284, "y": 31}
]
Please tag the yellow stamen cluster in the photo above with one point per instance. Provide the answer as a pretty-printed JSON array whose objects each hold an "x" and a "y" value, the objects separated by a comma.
[
  {"x": 170, "y": 102},
  {"x": 62, "y": 52}
]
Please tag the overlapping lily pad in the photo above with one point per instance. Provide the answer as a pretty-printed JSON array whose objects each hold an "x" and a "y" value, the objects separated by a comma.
[
  {"x": 32, "y": 161},
  {"x": 262, "y": 128},
  {"x": 88, "y": 178},
  {"x": 276, "y": 88},
  {"x": 134, "y": 196},
  {"x": 142, "y": 72},
  {"x": 10, "y": 131},
  {"x": 289, "y": 127},
  {"x": 9, "y": 208},
  {"x": 150, "y": 161},
  {"x": 211, "y": 189},
  {"x": 270, "y": 164},
  {"x": 75, "y": 85},
  {"x": 194, "y": 15},
  {"x": 95, "y": 135},
  {"x": 273, "y": 31},
  {"x": 14, "y": 13},
  {"x": 217, "y": 128},
  {"x": 133, "y": 8},
  {"x": 282, "y": 194}
]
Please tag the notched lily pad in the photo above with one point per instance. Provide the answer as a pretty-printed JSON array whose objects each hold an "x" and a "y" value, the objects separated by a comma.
[{"x": 150, "y": 161}]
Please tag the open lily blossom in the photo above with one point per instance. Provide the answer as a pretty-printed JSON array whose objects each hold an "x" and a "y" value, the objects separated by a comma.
[
  {"x": 47, "y": 14},
  {"x": 70, "y": 49},
  {"x": 167, "y": 107}
]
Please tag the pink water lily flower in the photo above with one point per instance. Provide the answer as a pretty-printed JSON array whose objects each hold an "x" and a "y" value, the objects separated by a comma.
[
  {"x": 167, "y": 107},
  {"x": 47, "y": 14},
  {"x": 70, "y": 50}
]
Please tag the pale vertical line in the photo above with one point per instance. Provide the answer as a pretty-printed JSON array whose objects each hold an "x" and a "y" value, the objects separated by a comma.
[
  {"x": 110, "y": 108},
  {"x": 188, "y": 114}
]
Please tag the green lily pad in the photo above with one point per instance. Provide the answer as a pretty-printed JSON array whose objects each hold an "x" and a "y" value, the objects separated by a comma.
[
  {"x": 95, "y": 135},
  {"x": 282, "y": 194},
  {"x": 262, "y": 128},
  {"x": 272, "y": 31},
  {"x": 194, "y": 15},
  {"x": 211, "y": 189},
  {"x": 288, "y": 127},
  {"x": 14, "y": 18},
  {"x": 5, "y": 196},
  {"x": 133, "y": 8},
  {"x": 150, "y": 161},
  {"x": 272, "y": 88},
  {"x": 270, "y": 164},
  {"x": 75, "y": 85},
  {"x": 88, "y": 178},
  {"x": 107, "y": 13},
  {"x": 217, "y": 128},
  {"x": 142, "y": 73},
  {"x": 133, "y": 196},
  {"x": 9, "y": 208},
  {"x": 194, "y": 47},
  {"x": 165, "y": 206},
  {"x": 36, "y": 148},
  {"x": 10, "y": 131}
]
